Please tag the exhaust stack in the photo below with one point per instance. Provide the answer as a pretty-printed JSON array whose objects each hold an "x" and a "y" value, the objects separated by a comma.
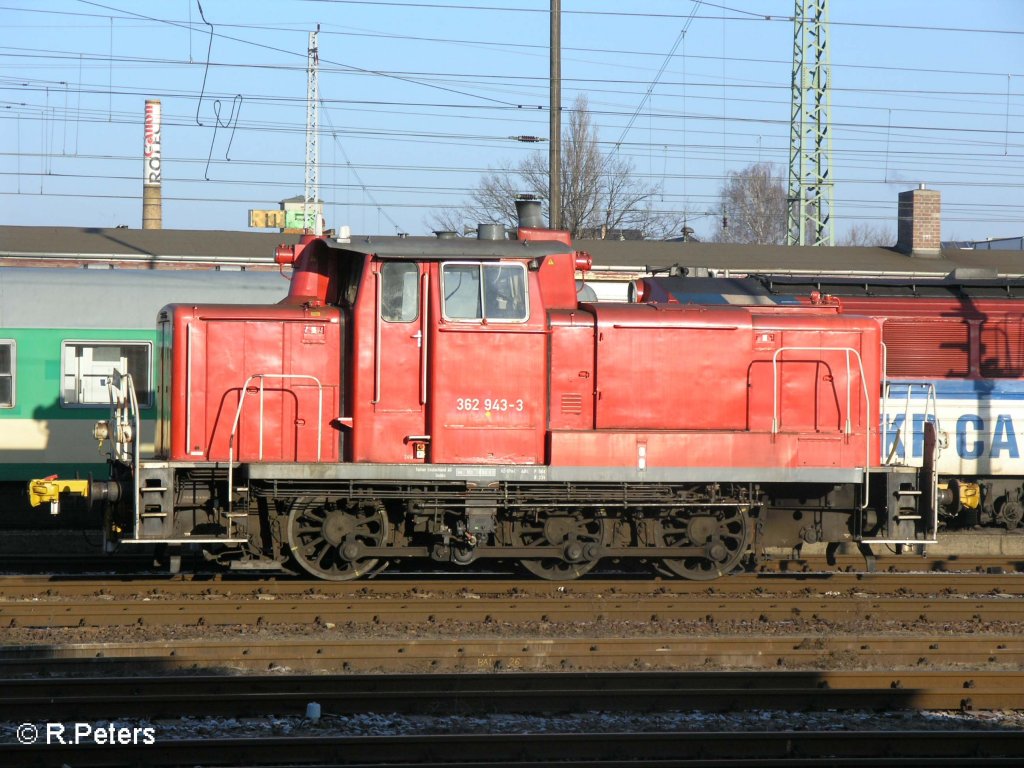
[
  {"x": 152, "y": 175},
  {"x": 529, "y": 213}
]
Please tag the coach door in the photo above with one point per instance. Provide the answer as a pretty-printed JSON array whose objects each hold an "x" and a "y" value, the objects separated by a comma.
[{"x": 400, "y": 365}]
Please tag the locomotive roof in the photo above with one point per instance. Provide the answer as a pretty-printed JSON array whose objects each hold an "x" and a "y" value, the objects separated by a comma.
[{"x": 458, "y": 248}]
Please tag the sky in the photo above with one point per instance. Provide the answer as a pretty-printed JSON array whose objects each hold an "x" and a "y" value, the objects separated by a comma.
[{"x": 418, "y": 100}]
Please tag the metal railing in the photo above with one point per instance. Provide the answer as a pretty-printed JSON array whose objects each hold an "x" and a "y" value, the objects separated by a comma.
[{"x": 930, "y": 403}]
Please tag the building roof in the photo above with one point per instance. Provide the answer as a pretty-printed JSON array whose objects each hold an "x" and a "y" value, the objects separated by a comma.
[
  {"x": 141, "y": 247},
  {"x": 837, "y": 260},
  {"x": 176, "y": 248}
]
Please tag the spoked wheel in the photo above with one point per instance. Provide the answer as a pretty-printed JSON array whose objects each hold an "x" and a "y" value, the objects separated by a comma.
[
  {"x": 580, "y": 539},
  {"x": 724, "y": 535},
  {"x": 327, "y": 539}
]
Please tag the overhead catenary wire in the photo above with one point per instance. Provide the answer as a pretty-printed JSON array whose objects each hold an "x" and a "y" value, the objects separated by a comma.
[{"x": 948, "y": 148}]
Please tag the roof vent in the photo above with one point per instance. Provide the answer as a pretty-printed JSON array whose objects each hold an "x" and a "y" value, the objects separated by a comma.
[
  {"x": 490, "y": 232},
  {"x": 446, "y": 234}
]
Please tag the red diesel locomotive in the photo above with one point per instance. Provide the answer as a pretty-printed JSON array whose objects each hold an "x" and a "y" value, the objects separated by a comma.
[{"x": 450, "y": 400}]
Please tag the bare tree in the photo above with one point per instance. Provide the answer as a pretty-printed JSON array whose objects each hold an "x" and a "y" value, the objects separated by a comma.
[
  {"x": 599, "y": 191},
  {"x": 868, "y": 235},
  {"x": 753, "y": 206}
]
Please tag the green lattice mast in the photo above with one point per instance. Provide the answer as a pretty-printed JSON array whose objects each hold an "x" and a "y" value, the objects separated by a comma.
[{"x": 810, "y": 144}]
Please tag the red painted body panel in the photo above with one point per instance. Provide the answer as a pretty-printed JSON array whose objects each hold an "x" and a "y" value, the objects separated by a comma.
[
  {"x": 705, "y": 379},
  {"x": 711, "y": 448},
  {"x": 557, "y": 272},
  {"x": 488, "y": 393},
  {"x": 218, "y": 348},
  {"x": 656, "y": 363},
  {"x": 572, "y": 370}
]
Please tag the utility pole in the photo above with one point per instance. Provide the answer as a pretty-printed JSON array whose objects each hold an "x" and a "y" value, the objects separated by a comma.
[
  {"x": 555, "y": 126},
  {"x": 311, "y": 221},
  {"x": 810, "y": 192}
]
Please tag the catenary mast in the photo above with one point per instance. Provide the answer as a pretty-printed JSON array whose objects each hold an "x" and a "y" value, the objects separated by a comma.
[
  {"x": 311, "y": 220},
  {"x": 810, "y": 191}
]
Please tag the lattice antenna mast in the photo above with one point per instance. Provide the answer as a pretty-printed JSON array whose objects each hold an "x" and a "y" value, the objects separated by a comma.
[
  {"x": 810, "y": 193},
  {"x": 310, "y": 208}
]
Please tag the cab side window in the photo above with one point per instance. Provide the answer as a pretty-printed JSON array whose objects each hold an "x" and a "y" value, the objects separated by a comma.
[
  {"x": 400, "y": 295},
  {"x": 485, "y": 291}
]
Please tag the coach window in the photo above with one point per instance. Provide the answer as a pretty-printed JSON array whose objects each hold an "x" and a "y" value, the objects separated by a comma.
[
  {"x": 7, "y": 348},
  {"x": 87, "y": 368},
  {"x": 490, "y": 291},
  {"x": 400, "y": 295}
]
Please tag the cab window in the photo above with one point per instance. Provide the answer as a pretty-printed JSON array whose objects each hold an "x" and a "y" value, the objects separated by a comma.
[
  {"x": 485, "y": 291},
  {"x": 400, "y": 295}
]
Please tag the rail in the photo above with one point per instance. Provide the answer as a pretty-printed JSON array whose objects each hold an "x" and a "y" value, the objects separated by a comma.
[
  {"x": 848, "y": 351},
  {"x": 238, "y": 415}
]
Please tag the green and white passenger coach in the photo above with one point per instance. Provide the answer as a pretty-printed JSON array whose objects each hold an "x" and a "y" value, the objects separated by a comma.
[{"x": 63, "y": 331}]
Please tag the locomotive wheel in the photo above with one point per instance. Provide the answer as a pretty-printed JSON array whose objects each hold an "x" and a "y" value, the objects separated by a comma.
[
  {"x": 325, "y": 539},
  {"x": 577, "y": 535},
  {"x": 724, "y": 538}
]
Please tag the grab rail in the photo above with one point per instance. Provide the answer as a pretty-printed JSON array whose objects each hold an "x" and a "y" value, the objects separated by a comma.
[
  {"x": 238, "y": 416},
  {"x": 930, "y": 402}
]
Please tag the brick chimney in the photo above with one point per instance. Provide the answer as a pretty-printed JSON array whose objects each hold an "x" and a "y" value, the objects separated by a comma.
[{"x": 918, "y": 231}]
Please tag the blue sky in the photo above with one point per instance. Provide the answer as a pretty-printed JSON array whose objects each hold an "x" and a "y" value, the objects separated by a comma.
[{"x": 420, "y": 99}]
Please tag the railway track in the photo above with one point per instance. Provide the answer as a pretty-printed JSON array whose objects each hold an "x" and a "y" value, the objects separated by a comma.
[
  {"x": 162, "y": 697},
  {"x": 107, "y": 611},
  {"x": 726, "y": 749},
  {"x": 327, "y": 654},
  {"x": 40, "y": 587},
  {"x": 123, "y": 564},
  {"x": 483, "y": 701}
]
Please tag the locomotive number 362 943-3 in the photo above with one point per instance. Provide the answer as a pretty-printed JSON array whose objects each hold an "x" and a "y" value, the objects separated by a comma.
[{"x": 488, "y": 404}]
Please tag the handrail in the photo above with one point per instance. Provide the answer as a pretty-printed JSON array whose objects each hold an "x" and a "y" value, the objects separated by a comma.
[
  {"x": 120, "y": 406},
  {"x": 864, "y": 385},
  {"x": 238, "y": 416},
  {"x": 188, "y": 392},
  {"x": 931, "y": 400},
  {"x": 883, "y": 414},
  {"x": 133, "y": 401},
  {"x": 424, "y": 333},
  {"x": 378, "y": 328}
]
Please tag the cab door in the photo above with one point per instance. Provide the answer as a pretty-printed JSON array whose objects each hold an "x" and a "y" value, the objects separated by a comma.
[
  {"x": 488, "y": 374},
  {"x": 399, "y": 366}
]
